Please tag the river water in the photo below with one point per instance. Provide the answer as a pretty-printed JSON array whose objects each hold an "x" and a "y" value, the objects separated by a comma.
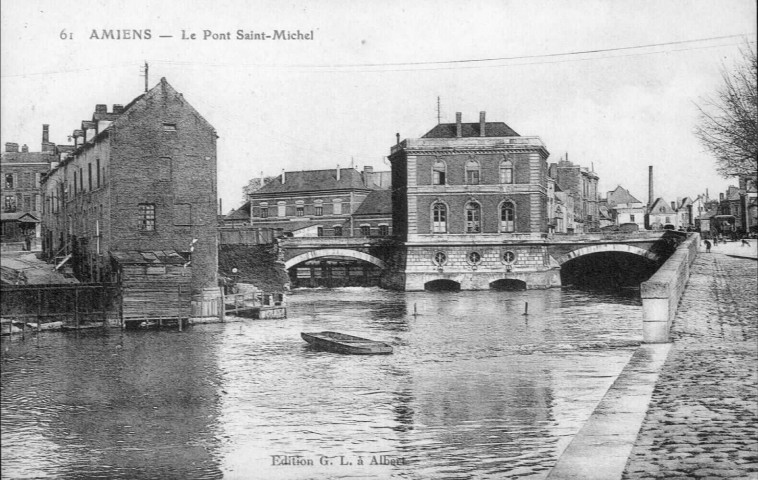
[{"x": 474, "y": 389}]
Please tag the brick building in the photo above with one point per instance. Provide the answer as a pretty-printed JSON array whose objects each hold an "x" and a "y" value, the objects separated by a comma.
[
  {"x": 581, "y": 183},
  {"x": 320, "y": 203},
  {"x": 464, "y": 196},
  {"x": 21, "y": 172},
  {"x": 140, "y": 179}
]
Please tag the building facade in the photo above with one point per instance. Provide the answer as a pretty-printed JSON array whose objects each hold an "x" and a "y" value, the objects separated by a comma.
[
  {"x": 321, "y": 203},
  {"x": 465, "y": 196},
  {"x": 141, "y": 178},
  {"x": 21, "y": 172},
  {"x": 626, "y": 208},
  {"x": 582, "y": 184}
]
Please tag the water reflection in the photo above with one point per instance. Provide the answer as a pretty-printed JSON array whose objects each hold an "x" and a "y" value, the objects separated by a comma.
[{"x": 475, "y": 389}]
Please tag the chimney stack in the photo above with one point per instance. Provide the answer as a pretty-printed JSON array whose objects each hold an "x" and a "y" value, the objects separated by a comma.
[
  {"x": 45, "y": 133},
  {"x": 118, "y": 108},
  {"x": 338, "y": 172},
  {"x": 11, "y": 147},
  {"x": 650, "y": 197},
  {"x": 101, "y": 108},
  {"x": 673, "y": 206},
  {"x": 24, "y": 149},
  {"x": 397, "y": 135},
  {"x": 368, "y": 173},
  {"x": 482, "y": 123},
  {"x": 284, "y": 177},
  {"x": 458, "y": 126}
]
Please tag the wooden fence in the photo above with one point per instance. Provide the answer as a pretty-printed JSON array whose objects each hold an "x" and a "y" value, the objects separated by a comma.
[{"x": 72, "y": 304}]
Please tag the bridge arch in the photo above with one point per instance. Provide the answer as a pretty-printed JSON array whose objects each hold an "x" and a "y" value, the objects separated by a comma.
[
  {"x": 609, "y": 247},
  {"x": 334, "y": 252}
]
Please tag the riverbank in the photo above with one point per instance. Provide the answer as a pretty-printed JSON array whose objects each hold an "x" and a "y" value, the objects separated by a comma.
[{"x": 702, "y": 421}]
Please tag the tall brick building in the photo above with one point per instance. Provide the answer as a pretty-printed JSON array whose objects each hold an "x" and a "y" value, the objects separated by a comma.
[
  {"x": 141, "y": 178},
  {"x": 582, "y": 184},
  {"x": 464, "y": 196}
]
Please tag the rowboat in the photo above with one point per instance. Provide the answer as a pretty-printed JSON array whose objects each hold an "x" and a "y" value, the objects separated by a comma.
[{"x": 342, "y": 343}]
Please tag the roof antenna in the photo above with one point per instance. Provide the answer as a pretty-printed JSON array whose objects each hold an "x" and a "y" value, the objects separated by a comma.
[
  {"x": 145, "y": 75},
  {"x": 438, "y": 110}
]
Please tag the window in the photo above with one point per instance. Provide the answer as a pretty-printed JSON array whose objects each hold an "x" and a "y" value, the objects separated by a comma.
[
  {"x": 281, "y": 209},
  {"x": 475, "y": 258},
  {"x": 509, "y": 257},
  {"x": 668, "y": 219},
  {"x": 81, "y": 180},
  {"x": 147, "y": 217},
  {"x": 10, "y": 203},
  {"x": 264, "y": 212},
  {"x": 319, "y": 210},
  {"x": 169, "y": 127},
  {"x": 473, "y": 218},
  {"x": 384, "y": 230},
  {"x": 631, "y": 217},
  {"x": 439, "y": 259},
  {"x": 365, "y": 230},
  {"x": 507, "y": 217},
  {"x": 338, "y": 206},
  {"x": 439, "y": 218},
  {"x": 37, "y": 178},
  {"x": 9, "y": 180},
  {"x": 506, "y": 171},
  {"x": 98, "y": 173},
  {"x": 337, "y": 230},
  {"x": 438, "y": 173},
  {"x": 319, "y": 231},
  {"x": 472, "y": 172},
  {"x": 300, "y": 211},
  {"x": 89, "y": 176},
  {"x": 75, "y": 183},
  {"x": 662, "y": 209}
]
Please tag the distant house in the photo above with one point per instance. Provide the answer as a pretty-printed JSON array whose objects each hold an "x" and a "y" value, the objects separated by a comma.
[
  {"x": 20, "y": 174},
  {"x": 625, "y": 207},
  {"x": 319, "y": 203},
  {"x": 662, "y": 214}
]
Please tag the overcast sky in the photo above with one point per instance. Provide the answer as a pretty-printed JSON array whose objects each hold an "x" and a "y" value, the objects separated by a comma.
[{"x": 369, "y": 73}]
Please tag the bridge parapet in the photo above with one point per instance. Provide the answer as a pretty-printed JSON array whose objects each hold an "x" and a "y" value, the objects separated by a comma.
[{"x": 661, "y": 293}]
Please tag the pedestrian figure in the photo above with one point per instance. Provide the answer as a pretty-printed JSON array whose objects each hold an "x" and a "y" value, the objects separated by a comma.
[{"x": 707, "y": 246}]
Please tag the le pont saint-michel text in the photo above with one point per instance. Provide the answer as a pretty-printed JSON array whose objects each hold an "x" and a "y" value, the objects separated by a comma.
[{"x": 148, "y": 34}]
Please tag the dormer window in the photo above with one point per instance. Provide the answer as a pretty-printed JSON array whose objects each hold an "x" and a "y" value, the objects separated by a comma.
[{"x": 169, "y": 127}]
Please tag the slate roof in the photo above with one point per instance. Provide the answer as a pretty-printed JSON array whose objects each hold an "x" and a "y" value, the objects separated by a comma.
[
  {"x": 20, "y": 216},
  {"x": 657, "y": 204},
  {"x": 378, "y": 202},
  {"x": 491, "y": 129},
  {"x": 157, "y": 257},
  {"x": 242, "y": 213},
  {"x": 621, "y": 195},
  {"x": 28, "y": 157},
  {"x": 311, "y": 180}
]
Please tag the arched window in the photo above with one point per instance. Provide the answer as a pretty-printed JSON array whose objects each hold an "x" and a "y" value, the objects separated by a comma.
[
  {"x": 506, "y": 171},
  {"x": 508, "y": 217},
  {"x": 472, "y": 172},
  {"x": 438, "y": 173},
  {"x": 439, "y": 218},
  {"x": 473, "y": 217}
]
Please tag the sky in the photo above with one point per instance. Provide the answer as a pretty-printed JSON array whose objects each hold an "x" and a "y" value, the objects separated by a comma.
[{"x": 615, "y": 84}]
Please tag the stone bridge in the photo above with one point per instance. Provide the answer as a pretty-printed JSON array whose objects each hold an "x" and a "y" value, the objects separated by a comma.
[{"x": 534, "y": 260}]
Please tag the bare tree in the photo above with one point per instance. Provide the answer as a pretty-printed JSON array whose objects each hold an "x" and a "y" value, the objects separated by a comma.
[{"x": 728, "y": 126}]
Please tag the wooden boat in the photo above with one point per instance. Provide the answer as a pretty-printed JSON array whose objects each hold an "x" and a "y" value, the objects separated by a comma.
[{"x": 342, "y": 343}]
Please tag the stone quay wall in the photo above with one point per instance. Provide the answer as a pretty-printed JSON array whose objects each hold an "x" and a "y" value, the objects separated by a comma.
[{"x": 662, "y": 292}]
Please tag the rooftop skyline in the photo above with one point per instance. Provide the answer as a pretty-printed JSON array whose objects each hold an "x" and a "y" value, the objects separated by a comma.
[{"x": 616, "y": 89}]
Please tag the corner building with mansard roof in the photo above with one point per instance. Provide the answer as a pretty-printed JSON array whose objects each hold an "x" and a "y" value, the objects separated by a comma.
[{"x": 469, "y": 201}]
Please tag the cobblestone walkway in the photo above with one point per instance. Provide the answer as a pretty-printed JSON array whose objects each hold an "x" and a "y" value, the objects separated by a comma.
[{"x": 703, "y": 417}]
